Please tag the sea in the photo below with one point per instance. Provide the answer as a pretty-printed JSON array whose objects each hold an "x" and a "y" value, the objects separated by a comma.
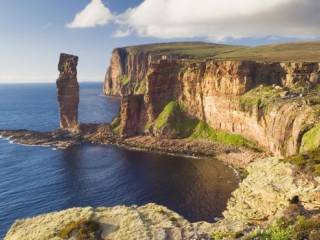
[{"x": 37, "y": 180}]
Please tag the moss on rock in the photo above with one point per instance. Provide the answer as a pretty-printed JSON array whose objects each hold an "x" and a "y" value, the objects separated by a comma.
[
  {"x": 260, "y": 97},
  {"x": 124, "y": 79},
  {"x": 81, "y": 230},
  {"x": 311, "y": 139},
  {"x": 308, "y": 162}
]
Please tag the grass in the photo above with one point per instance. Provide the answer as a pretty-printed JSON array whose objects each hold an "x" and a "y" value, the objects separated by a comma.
[
  {"x": 297, "y": 228},
  {"x": 226, "y": 235},
  {"x": 192, "y": 50},
  {"x": 171, "y": 109},
  {"x": 311, "y": 139},
  {"x": 140, "y": 87},
  {"x": 260, "y": 97},
  {"x": 173, "y": 117},
  {"x": 299, "y": 51},
  {"x": 204, "y": 131},
  {"x": 288, "y": 229},
  {"x": 308, "y": 162}
]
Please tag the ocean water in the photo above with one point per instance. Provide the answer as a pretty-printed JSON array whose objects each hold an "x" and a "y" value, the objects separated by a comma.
[{"x": 35, "y": 180}]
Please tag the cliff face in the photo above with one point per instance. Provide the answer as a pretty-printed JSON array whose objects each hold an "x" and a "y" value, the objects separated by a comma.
[
  {"x": 68, "y": 92},
  {"x": 126, "y": 72},
  {"x": 271, "y": 103}
]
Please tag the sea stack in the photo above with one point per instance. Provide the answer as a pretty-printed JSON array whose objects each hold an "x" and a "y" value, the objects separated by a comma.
[{"x": 68, "y": 92}]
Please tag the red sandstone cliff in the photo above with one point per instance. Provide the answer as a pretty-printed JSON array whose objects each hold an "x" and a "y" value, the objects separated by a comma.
[
  {"x": 213, "y": 91},
  {"x": 68, "y": 92}
]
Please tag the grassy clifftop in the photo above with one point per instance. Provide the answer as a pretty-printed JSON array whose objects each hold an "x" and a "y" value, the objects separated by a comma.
[{"x": 300, "y": 51}]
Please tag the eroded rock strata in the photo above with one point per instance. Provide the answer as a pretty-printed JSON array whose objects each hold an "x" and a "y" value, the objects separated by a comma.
[
  {"x": 68, "y": 92},
  {"x": 271, "y": 103}
]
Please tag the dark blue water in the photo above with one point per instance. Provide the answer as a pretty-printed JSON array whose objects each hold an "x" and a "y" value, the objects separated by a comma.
[{"x": 35, "y": 180}]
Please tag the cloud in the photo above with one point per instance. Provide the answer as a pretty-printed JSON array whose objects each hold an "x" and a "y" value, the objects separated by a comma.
[
  {"x": 121, "y": 33},
  {"x": 218, "y": 20},
  {"x": 94, "y": 14}
]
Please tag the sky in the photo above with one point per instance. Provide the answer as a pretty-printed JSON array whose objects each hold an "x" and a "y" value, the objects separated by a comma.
[{"x": 34, "y": 32}]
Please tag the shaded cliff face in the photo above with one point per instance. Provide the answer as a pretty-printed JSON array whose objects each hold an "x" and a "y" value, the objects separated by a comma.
[
  {"x": 132, "y": 116},
  {"x": 126, "y": 72},
  {"x": 68, "y": 92},
  {"x": 272, "y": 103}
]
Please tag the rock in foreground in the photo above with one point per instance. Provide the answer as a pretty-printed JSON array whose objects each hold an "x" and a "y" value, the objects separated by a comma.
[
  {"x": 263, "y": 198},
  {"x": 144, "y": 223}
]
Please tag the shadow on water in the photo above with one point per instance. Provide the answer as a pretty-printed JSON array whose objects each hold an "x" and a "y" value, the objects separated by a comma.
[{"x": 106, "y": 175}]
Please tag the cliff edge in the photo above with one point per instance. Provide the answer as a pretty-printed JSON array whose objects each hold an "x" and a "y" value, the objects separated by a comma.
[{"x": 268, "y": 95}]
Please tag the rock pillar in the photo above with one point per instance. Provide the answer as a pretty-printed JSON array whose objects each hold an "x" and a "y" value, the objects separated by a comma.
[{"x": 68, "y": 92}]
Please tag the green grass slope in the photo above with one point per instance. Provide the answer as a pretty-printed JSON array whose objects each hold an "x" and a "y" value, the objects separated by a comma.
[{"x": 299, "y": 51}]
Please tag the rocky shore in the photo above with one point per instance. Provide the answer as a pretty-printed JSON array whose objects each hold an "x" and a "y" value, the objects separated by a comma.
[
  {"x": 238, "y": 157},
  {"x": 262, "y": 198}
]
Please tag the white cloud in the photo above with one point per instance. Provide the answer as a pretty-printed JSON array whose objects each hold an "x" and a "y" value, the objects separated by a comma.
[
  {"x": 217, "y": 19},
  {"x": 94, "y": 14},
  {"x": 121, "y": 33}
]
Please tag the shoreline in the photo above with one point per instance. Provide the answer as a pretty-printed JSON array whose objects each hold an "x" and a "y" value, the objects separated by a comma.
[
  {"x": 237, "y": 158},
  {"x": 256, "y": 176}
]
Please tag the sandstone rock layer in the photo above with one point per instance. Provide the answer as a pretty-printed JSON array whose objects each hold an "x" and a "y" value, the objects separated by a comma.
[
  {"x": 211, "y": 90},
  {"x": 68, "y": 92}
]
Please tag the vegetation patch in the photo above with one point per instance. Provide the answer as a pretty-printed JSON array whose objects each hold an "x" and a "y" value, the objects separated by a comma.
[
  {"x": 124, "y": 79},
  {"x": 260, "y": 97},
  {"x": 173, "y": 119},
  {"x": 311, "y": 139},
  {"x": 298, "y": 228},
  {"x": 204, "y": 131},
  {"x": 115, "y": 125},
  {"x": 81, "y": 230},
  {"x": 226, "y": 235},
  {"x": 304, "y": 52},
  {"x": 308, "y": 162},
  {"x": 140, "y": 88},
  {"x": 171, "y": 109}
]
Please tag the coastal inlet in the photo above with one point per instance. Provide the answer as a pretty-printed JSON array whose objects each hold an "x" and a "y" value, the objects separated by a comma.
[{"x": 36, "y": 180}]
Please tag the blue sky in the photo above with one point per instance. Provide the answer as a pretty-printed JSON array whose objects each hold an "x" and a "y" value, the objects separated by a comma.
[{"x": 34, "y": 32}]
